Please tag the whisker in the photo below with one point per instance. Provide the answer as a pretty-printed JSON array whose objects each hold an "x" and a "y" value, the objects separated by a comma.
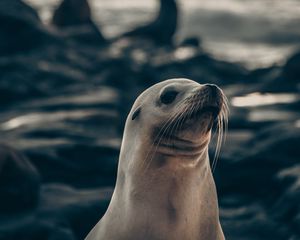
[
  {"x": 175, "y": 123},
  {"x": 159, "y": 137},
  {"x": 159, "y": 141},
  {"x": 222, "y": 128}
]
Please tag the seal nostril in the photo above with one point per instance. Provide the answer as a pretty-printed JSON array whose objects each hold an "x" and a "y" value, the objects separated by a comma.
[{"x": 168, "y": 97}]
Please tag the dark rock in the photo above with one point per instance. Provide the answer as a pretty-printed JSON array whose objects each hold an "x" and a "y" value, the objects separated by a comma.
[
  {"x": 279, "y": 79},
  {"x": 20, "y": 28},
  {"x": 291, "y": 69},
  {"x": 262, "y": 156},
  {"x": 35, "y": 228},
  {"x": 263, "y": 78},
  {"x": 95, "y": 165},
  {"x": 22, "y": 79},
  {"x": 102, "y": 98},
  {"x": 64, "y": 213},
  {"x": 244, "y": 221},
  {"x": 19, "y": 181},
  {"x": 79, "y": 209},
  {"x": 87, "y": 34},
  {"x": 69, "y": 136},
  {"x": 203, "y": 69},
  {"x": 58, "y": 233},
  {"x": 192, "y": 42},
  {"x": 289, "y": 182},
  {"x": 253, "y": 169},
  {"x": 274, "y": 150},
  {"x": 63, "y": 153}
]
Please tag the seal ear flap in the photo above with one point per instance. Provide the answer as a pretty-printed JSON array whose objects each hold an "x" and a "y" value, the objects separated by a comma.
[{"x": 136, "y": 113}]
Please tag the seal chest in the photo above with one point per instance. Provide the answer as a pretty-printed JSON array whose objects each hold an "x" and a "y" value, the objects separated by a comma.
[{"x": 165, "y": 189}]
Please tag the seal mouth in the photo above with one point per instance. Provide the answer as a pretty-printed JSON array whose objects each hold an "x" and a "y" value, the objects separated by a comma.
[
  {"x": 173, "y": 145},
  {"x": 214, "y": 110}
]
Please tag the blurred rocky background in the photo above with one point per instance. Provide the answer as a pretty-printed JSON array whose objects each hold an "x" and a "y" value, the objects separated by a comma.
[{"x": 70, "y": 70}]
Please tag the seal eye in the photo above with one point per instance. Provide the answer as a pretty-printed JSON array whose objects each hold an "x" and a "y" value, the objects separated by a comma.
[{"x": 168, "y": 96}]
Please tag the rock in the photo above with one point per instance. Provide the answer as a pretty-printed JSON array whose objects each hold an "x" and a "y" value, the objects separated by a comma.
[
  {"x": 35, "y": 228},
  {"x": 265, "y": 80},
  {"x": 243, "y": 220},
  {"x": 87, "y": 34},
  {"x": 62, "y": 154},
  {"x": 64, "y": 213},
  {"x": 253, "y": 169},
  {"x": 202, "y": 68},
  {"x": 34, "y": 78},
  {"x": 289, "y": 182},
  {"x": 96, "y": 165},
  {"x": 69, "y": 136},
  {"x": 61, "y": 233},
  {"x": 79, "y": 209},
  {"x": 20, "y": 28},
  {"x": 191, "y": 42},
  {"x": 281, "y": 151},
  {"x": 20, "y": 182},
  {"x": 291, "y": 70},
  {"x": 279, "y": 79},
  {"x": 262, "y": 156}
]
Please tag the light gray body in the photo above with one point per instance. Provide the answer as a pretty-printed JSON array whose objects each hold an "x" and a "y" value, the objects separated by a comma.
[{"x": 160, "y": 196}]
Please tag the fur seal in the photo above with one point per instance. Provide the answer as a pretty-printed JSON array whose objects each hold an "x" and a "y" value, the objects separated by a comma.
[
  {"x": 75, "y": 19},
  {"x": 165, "y": 188},
  {"x": 72, "y": 12},
  {"x": 163, "y": 28}
]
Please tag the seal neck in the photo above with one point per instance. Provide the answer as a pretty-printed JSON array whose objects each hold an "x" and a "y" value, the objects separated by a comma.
[{"x": 170, "y": 200}]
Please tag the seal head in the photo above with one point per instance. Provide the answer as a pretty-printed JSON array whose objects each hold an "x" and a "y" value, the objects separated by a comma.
[{"x": 174, "y": 118}]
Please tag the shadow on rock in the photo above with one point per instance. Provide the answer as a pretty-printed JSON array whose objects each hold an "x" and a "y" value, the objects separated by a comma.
[
  {"x": 20, "y": 28},
  {"x": 20, "y": 181},
  {"x": 64, "y": 213}
]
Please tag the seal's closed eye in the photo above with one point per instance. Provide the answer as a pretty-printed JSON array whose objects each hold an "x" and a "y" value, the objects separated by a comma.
[
  {"x": 136, "y": 113},
  {"x": 168, "y": 96}
]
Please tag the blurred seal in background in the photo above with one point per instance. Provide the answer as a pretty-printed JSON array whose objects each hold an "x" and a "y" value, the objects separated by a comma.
[
  {"x": 75, "y": 18},
  {"x": 163, "y": 28}
]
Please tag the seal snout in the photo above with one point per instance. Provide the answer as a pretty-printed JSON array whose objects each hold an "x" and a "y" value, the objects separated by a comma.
[
  {"x": 213, "y": 89},
  {"x": 207, "y": 99},
  {"x": 188, "y": 112},
  {"x": 213, "y": 99}
]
